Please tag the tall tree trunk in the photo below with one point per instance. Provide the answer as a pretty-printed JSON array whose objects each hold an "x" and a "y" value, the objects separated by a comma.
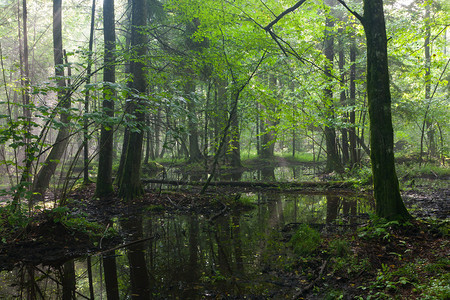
[
  {"x": 333, "y": 162},
  {"x": 25, "y": 82},
  {"x": 352, "y": 102},
  {"x": 220, "y": 121},
  {"x": 26, "y": 77},
  {"x": 194, "y": 150},
  {"x": 130, "y": 185},
  {"x": 427, "y": 126},
  {"x": 157, "y": 134},
  {"x": 235, "y": 141},
  {"x": 343, "y": 99},
  {"x": 104, "y": 177},
  {"x": 389, "y": 203},
  {"x": 86, "y": 99},
  {"x": 44, "y": 175}
]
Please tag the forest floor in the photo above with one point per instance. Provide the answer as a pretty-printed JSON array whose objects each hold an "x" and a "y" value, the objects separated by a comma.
[{"x": 377, "y": 261}]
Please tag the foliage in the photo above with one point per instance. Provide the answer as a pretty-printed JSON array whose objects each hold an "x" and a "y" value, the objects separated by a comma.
[
  {"x": 78, "y": 222},
  {"x": 339, "y": 248},
  {"x": 413, "y": 170},
  {"x": 436, "y": 288},
  {"x": 379, "y": 228},
  {"x": 11, "y": 220},
  {"x": 361, "y": 176},
  {"x": 305, "y": 240},
  {"x": 390, "y": 279}
]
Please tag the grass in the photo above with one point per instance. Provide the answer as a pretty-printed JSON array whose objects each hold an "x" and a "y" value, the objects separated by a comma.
[{"x": 415, "y": 170}]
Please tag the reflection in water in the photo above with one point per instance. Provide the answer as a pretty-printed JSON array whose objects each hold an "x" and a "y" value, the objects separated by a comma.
[
  {"x": 304, "y": 172},
  {"x": 68, "y": 280},
  {"x": 189, "y": 257},
  {"x": 140, "y": 283},
  {"x": 110, "y": 272}
]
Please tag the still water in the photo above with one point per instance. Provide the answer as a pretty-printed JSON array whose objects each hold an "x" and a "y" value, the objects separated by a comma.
[{"x": 191, "y": 256}]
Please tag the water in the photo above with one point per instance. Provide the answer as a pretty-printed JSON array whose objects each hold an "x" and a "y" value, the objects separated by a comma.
[
  {"x": 190, "y": 256},
  {"x": 306, "y": 172}
]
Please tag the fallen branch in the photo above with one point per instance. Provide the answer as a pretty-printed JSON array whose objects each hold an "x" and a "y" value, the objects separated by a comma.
[
  {"x": 250, "y": 184},
  {"x": 313, "y": 283}
]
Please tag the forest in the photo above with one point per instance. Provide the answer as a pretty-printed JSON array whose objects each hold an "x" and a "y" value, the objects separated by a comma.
[{"x": 224, "y": 149}]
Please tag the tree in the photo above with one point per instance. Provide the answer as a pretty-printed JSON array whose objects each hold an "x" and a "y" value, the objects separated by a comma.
[
  {"x": 130, "y": 184},
  {"x": 86, "y": 99},
  {"x": 389, "y": 203},
  {"x": 190, "y": 92},
  {"x": 333, "y": 161},
  {"x": 104, "y": 177},
  {"x": 48, "y": 168}
]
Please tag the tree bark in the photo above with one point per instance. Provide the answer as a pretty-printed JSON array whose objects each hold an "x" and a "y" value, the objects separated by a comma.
[
  {"x": 389, "y": 203},
  {"x": 130, "y": 185},
  {"x": 333, "y": 161},
  {"x": 104, "y": 185},
  {"x": 86, "y": 99},
  {"x": 235, "y": 141},
  {"x": 42, "y": 179},
  {"x": 343, "y": 100},
  {"x": 352, "y": 102},
  {"x": 194, "y": 149}
]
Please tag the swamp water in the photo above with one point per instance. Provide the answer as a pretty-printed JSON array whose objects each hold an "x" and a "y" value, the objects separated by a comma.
[{"x": 232, "y": 256}]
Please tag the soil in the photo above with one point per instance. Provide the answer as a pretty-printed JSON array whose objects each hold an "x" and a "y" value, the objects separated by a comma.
[{"x": 47, "y": 242}]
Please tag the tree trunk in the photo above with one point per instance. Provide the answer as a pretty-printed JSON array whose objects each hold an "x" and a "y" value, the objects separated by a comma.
[
  {"x": 42, "y": 179},
  {"x": 333, "y": 161},
  {"x": 220, "y": 121},
  {"x": 194, "y": 150},
  {"x": 389, "y": 203},
  {"x": 104, "y": 177},
  {"x": 343, "y": 100},
  {"x": 130, "y": 185},
  {"x": 157, "y": 128},
  {"x": 352, "y": 102},
  {"x": 268, "y": 134},
  {"x": 86, "y": 99},
  {"x": 235, "y": 141},
  {"x": 427, "y": 123}
]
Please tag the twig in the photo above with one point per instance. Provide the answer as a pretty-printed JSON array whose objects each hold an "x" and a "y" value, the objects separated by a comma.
[
  {"x": 103, "y": 235},
  {"x": 125, "y": 245},
  {"x": 225, "y": 207},
  {"x": 170, "y": 200},
  {"x": 58, "y": 282}
]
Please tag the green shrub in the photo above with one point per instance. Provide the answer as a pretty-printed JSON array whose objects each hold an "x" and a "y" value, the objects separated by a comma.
[
  {"x": 340, "y": 248},
  {"x": 305, "y": 240}
]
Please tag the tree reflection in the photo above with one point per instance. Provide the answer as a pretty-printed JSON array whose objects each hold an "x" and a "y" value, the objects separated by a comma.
[{"x": 140, "y": 283}]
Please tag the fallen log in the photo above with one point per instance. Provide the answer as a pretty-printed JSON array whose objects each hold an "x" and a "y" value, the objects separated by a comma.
[{"x": 258, "y": 184}]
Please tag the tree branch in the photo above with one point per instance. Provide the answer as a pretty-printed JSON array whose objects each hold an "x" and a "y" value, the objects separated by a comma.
[
  {"x": 289, "y": 10},
  {"x": 358, "y": 16}
]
